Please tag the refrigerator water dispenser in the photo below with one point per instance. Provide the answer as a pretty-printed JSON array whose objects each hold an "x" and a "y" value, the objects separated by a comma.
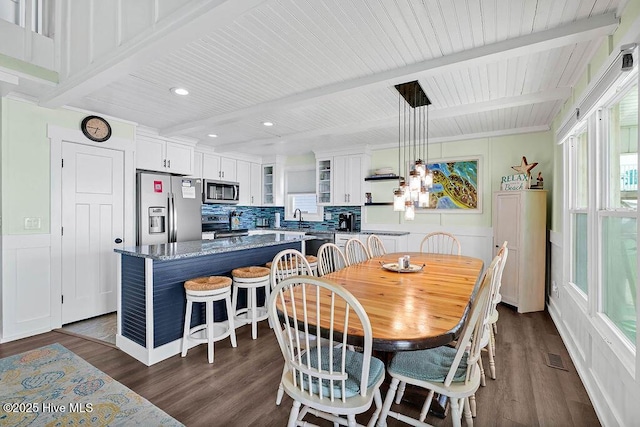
[{"x": 157, "y": 218}]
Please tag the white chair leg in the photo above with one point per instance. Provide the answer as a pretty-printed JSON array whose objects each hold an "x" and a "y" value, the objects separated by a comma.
[
  {"x": 495, "y": 328},
  {"x": 209, "y": 314},
  {"x": 254, "y": 309},
  {"x": 187, "y": 328},
  {"x": 455, "y": 413},
  {"x": 234, "y": 300},
  {"x": 393, "y": 387},
  {"x": 377, "y": 398},
  {"x": 493, "y": 339},
  {"x": 426, "y": 406},
  {"x": 472, "y": 404},
  {"x": 293, "y": 415},
  {"x": 232, "y": 325},
  {"x": 492, "y": 363},
  {"x": 281, "y": 388},
  {"x": 352, "y": 420},
  {"x": 400, "y": 393},
  {"x": 467, "y": 412},
  {"x": 483, "y": 380}
]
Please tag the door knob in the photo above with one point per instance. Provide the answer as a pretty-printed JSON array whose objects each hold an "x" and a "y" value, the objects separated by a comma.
[{"x": 118, "y": 240}]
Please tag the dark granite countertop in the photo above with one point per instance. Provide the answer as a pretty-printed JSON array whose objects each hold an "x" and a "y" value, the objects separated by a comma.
[
  {"x": 309, "y": 230},
  {"x": 170, "y": 251}
]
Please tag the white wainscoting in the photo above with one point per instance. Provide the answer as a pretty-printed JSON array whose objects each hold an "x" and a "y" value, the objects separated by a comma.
[
  {"x": 26, "y": 286},
  {"x": 475, "y": 241},
  {"x": 614, "y": 390}
]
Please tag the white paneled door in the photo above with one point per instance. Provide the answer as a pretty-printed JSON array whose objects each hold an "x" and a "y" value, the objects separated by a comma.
[{"x": 92, "y": 226}]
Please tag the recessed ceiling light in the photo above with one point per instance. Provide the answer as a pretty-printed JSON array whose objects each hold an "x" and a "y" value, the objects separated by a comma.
[
  {"x": 179, "y": 91},
  {"x": 267, "y": 123},
  {"x": 212, "y": 135}
]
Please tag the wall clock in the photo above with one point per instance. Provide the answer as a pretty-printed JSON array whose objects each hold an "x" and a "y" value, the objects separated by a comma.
[{"x": 96, "y": 128}]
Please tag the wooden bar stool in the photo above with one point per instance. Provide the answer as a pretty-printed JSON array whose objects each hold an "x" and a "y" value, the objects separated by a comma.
[
  {"x": 208, "y": 290},
  {"x": 251, "y": 278}
]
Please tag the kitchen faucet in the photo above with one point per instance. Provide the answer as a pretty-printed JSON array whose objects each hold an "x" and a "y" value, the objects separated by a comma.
[{"x": 299, "y": 219}]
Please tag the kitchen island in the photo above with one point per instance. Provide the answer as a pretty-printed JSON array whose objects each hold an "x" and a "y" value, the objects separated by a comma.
[{"x": 151, "y": 298}]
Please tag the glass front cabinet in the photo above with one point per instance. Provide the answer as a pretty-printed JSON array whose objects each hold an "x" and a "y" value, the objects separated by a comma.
[{"x": 324, "y": 168}]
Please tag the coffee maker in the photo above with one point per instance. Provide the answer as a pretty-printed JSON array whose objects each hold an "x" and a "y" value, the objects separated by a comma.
[{"x": 346, "y": 221}]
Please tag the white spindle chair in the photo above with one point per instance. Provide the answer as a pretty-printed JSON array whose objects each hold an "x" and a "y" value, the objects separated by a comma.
[
  {"x": 288, "y": 263},
  {"x": 355, "y": 251},
  {"x": 422, "y": 368},
  {"x": 375, "y": 246},
  {"x": 323, "y": 376},
  {"x": 440, "y": 242},
  {"x": 330, "y": 259}
]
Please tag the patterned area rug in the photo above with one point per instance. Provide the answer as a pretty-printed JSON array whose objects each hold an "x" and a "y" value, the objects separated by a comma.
[{"x": 52, "y": 386}]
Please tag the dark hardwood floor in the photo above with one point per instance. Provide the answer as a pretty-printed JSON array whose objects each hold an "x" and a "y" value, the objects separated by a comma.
[{"x": 239, "y": 389}]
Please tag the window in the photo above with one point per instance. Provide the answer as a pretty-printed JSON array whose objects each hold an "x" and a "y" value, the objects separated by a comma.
[
  {"x": 579, "y": 173},
  {"x": 602, "y": 213},
  {"x": 300, "y": 185},
  {"x": 618, "y": 213}
]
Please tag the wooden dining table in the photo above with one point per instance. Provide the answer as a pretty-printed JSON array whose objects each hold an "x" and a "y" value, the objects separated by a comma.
[{"x": 412, "y": 310}]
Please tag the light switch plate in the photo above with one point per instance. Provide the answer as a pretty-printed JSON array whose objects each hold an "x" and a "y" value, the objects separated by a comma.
[
  {"x": 32, "y": 223},
  {"x": 327, "y": 216}
]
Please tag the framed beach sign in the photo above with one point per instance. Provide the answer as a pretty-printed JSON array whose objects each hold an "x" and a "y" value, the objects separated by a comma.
[{"x": 456, "y": 186}]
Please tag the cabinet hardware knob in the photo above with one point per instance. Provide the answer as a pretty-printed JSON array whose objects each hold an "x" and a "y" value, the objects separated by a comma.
[
  {"x": 164, "y": 164},
  {"x": 169, "y": 164},
  {"x": 118, "y": 240}
]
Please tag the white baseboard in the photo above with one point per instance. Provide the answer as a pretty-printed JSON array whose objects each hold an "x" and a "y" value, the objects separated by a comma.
[{"x": 27, "y": 334}]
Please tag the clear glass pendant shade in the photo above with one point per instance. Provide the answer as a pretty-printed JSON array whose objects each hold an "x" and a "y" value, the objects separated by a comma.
[
  {"x": 423, "y": 198},
  {"x": 414, "y": 181},
  {"x": 409, "y": 212},
  {"x": 398, "y": 200},
  {"x": 428, "y": 180}
]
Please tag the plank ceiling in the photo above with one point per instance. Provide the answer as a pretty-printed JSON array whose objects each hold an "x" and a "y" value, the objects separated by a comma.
[{"x": 323, "y": 72}]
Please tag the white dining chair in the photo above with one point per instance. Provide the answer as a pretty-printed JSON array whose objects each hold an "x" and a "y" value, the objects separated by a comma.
[
  {"x": 330, "y": 259},
  {"x": 355, "y": 251},
  {"x": 440, "y": 242},
  {"x": 450, "y": 371},
  {"x": 375, "y": 246},
  {"x": 326, "y": 380},
  {"x": 287, "y": 263}
]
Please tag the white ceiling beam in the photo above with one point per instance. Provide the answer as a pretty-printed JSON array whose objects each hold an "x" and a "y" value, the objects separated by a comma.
[
  {"x": 456, "y": 111},
  {"x": 184, "y": 26},
  {"x": 579, "y": 31}
]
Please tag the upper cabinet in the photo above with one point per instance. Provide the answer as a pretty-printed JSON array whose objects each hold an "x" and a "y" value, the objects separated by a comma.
[
  {"x": 161, "y": 155},
  {"x": 248, "y": 175},
  {"x": 324, "y": 170},
  {"x": 218, "y": 168},
  {"x": 340, "y": 179},
  {"x": 273, "y": 183}
]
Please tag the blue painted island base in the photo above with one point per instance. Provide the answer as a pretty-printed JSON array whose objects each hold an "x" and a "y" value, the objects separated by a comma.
[{"x": 152, "y": 301}]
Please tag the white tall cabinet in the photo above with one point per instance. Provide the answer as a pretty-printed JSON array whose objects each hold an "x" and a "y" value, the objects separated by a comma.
[{"x": 519, "y": 217}]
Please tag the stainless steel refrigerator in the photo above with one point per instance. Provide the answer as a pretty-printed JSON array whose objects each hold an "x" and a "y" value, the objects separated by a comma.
[{"x": 169, "y": 208}]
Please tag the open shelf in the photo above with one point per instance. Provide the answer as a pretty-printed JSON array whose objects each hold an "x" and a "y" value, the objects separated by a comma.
[{"x": 383, "y": 178}]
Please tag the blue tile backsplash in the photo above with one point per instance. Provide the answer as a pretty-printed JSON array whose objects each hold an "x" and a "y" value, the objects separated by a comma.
[{"x": 249, "y": 215}]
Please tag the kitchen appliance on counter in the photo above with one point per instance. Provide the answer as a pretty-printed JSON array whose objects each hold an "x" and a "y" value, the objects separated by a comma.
[
  {"x": 221, "y": 192},
  {"x": 263, "y": 222},
  {"x": 219, "y": 226},
  {"x": 168, "y": 208},
  {"x": 346, "y": 221}
]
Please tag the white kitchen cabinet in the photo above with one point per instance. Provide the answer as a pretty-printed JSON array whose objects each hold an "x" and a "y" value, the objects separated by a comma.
[
  {"x": 347, "y": 180},
  {"x": 519, "y": 217},
  {"x": 248, "y": 176},
  {"x": 341, "y": 239},
  {"x": 272, "y": 185},
  {"x": 255, "y": 186},
  {"x": 218, "y": 168},
  {"x": 197, "y": 165},
  {"x": 324, "y": 175},
  {"x": 157, "y": 154}
]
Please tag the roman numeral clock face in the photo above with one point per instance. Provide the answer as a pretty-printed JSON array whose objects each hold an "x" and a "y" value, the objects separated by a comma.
[{"x": 96, "y": 128}]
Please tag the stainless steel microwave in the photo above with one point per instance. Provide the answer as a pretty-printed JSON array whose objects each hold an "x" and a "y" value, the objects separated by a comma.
[{"x": 220, "y": 192}]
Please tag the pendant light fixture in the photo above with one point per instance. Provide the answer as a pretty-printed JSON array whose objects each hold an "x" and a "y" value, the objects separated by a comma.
[{"x": 413, "y": 147}]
